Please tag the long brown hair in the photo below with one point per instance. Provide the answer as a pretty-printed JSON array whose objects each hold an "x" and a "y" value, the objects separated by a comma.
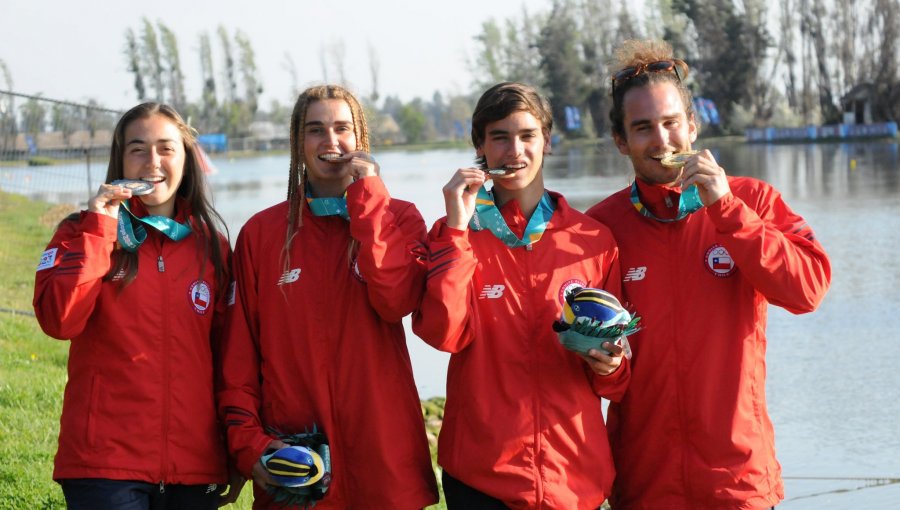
[
  {"x": 297, "y": 180},
  {"x": 205, "y": 222}
]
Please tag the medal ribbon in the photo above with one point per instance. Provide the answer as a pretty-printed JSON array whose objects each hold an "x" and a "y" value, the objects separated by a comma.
[
  {"x": 131, "y": 232},
  {"x": 688, "y": 203},
  {"x": 487, "y": 216},
  {"x": 328, "y": 206}
]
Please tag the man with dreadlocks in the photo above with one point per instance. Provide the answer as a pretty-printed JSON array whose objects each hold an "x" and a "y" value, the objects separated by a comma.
[
  {"x": 314, "y": 340},
  {"x": 703, "y": 254}
]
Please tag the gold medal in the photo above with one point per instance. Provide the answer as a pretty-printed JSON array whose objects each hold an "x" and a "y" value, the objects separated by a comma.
[{"x": 678, "y": 159}]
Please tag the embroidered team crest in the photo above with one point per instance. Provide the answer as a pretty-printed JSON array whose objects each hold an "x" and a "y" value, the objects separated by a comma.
[
  {"x": 568, "y": 285},
  {"x": 719, "y": 261},
  {"x": 199, "y": 295}
]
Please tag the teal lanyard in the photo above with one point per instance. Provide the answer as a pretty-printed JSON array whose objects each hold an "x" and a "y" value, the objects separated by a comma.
[
  {"x": 487, "y": 216},
  {"x": 132, "y": 234},
  {"x": 688, "y": 203},
  {"x": 328, "y": 206}
]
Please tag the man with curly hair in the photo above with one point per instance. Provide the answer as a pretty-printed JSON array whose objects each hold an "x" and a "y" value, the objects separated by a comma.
[{"x": 703, "y": 254}]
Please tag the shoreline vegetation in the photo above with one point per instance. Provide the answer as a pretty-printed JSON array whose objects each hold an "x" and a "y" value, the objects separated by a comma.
[
  {"x": 42, "y": 160},
  {"x": 34, "y": 368}
]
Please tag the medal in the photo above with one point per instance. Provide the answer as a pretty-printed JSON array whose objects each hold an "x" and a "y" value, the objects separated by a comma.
[
  {"x": 137, "y": 186},
  {"x": 677, "y": 160}
]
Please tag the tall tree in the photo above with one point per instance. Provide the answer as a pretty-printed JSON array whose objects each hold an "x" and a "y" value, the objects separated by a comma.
[
  {"x": 561, "y": 61},
  {"x": 152, "y": 65},
  {"x": 815, "y": 24},
  {"x": 412, "y": 121},
  {"x": 374, "y": 71},
  {"x": 507, "y": 55},
  {"x": 7, "y": 111},
  {"x": 598, "y": 40},
  {"x": 337, "y": 55},
  {"x": 786, "y": 45},
  {"x": 522, "y": 59},
  {"x": 290, "y": 66},
  {"x": 886, "y": 17},
  {"x": 209, "y": 106},
  {"x": 173, "y": 74},
  {"x": 33, "y": 114},
  {"x": 230, "y": 111},
  {"x": 487, "y": 66},
  {"x": 252, "y": 86},
  {"x": 731, "y": 48},
  {"x": 229, "y": 72},
  {"x": 62, "y": 120},
  {"x": 133, "y": 56}
]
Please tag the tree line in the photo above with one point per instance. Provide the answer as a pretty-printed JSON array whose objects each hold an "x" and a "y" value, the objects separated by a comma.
[
  {"x": 784, "y": 64},
  {"x": 787, "y": 67}
]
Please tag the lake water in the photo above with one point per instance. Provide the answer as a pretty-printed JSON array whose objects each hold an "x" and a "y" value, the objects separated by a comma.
[{"x": 833, "y": 379}]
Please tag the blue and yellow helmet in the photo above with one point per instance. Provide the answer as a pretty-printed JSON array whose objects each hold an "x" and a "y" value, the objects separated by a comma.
[
  {"x": 294, "y": 466},
  {"x": 587, "y": 304}
]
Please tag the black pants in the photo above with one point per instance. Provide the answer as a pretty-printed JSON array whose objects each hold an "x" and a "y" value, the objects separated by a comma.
[
  {"x": 101, "y": 493},
  {"x": 460, "y": 496}
]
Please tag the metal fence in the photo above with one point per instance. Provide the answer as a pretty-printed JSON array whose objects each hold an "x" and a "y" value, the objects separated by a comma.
[{"x": 52, "y": 150}]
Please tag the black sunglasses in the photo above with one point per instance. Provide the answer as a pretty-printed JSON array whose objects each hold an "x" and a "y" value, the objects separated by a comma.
[{"x": 661, "y": 66}]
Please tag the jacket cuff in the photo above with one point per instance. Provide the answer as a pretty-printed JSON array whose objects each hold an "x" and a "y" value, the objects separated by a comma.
[
  {"x": 725, "y": 213},
  {"x": 362, "y": 189},
  {"x": 450, "y": 234},
  {"x": 251, "y": 455}
]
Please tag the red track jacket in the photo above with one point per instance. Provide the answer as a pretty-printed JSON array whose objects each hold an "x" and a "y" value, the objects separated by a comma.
[
  {"x": 693, "y": 431},
  {"x": 139, "y": 401},
  {"x": 523, "y": 419},
  {"x": 321, "y": 343}
]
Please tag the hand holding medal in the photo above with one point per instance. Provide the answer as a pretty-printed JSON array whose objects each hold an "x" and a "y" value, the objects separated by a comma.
[
  {"x": 702, "y": 170},
  {"x": 460, "y": 196},
  {"x": 362, "y": 164},
  {"x": 109, "y": 196}
]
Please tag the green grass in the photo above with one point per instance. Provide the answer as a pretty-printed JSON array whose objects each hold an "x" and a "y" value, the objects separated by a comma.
[{"x": 33, "y": 367}]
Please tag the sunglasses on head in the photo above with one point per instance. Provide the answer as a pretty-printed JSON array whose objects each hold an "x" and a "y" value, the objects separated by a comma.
[{"x": 661, "y": 66}]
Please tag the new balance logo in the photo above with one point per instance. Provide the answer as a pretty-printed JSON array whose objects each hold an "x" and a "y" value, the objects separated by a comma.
[
  {"x": 492, "y": 291},
  {"x": 289, "y": 276},
  {"x": 635, "y": 273}
]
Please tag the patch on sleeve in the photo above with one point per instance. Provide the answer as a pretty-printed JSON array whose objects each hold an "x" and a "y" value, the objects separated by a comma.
[
  {"x": 232, "y": 288},
  {"x": 47, "y": 259}
]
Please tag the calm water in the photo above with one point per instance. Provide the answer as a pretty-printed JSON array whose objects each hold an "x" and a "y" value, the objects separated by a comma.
[{"x": 834, "y": 383}]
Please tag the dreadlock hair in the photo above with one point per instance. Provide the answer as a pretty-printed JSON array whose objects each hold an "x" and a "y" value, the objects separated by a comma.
[
  {"x": 504, "y": 99},
  {"x": 297, "y": 180},
  {"x": 205, "y": 222},
  {"x": 634, "y": 53}
]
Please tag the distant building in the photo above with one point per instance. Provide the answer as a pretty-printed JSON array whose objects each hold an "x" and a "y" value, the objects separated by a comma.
[{"x": 857, "y": 104}]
